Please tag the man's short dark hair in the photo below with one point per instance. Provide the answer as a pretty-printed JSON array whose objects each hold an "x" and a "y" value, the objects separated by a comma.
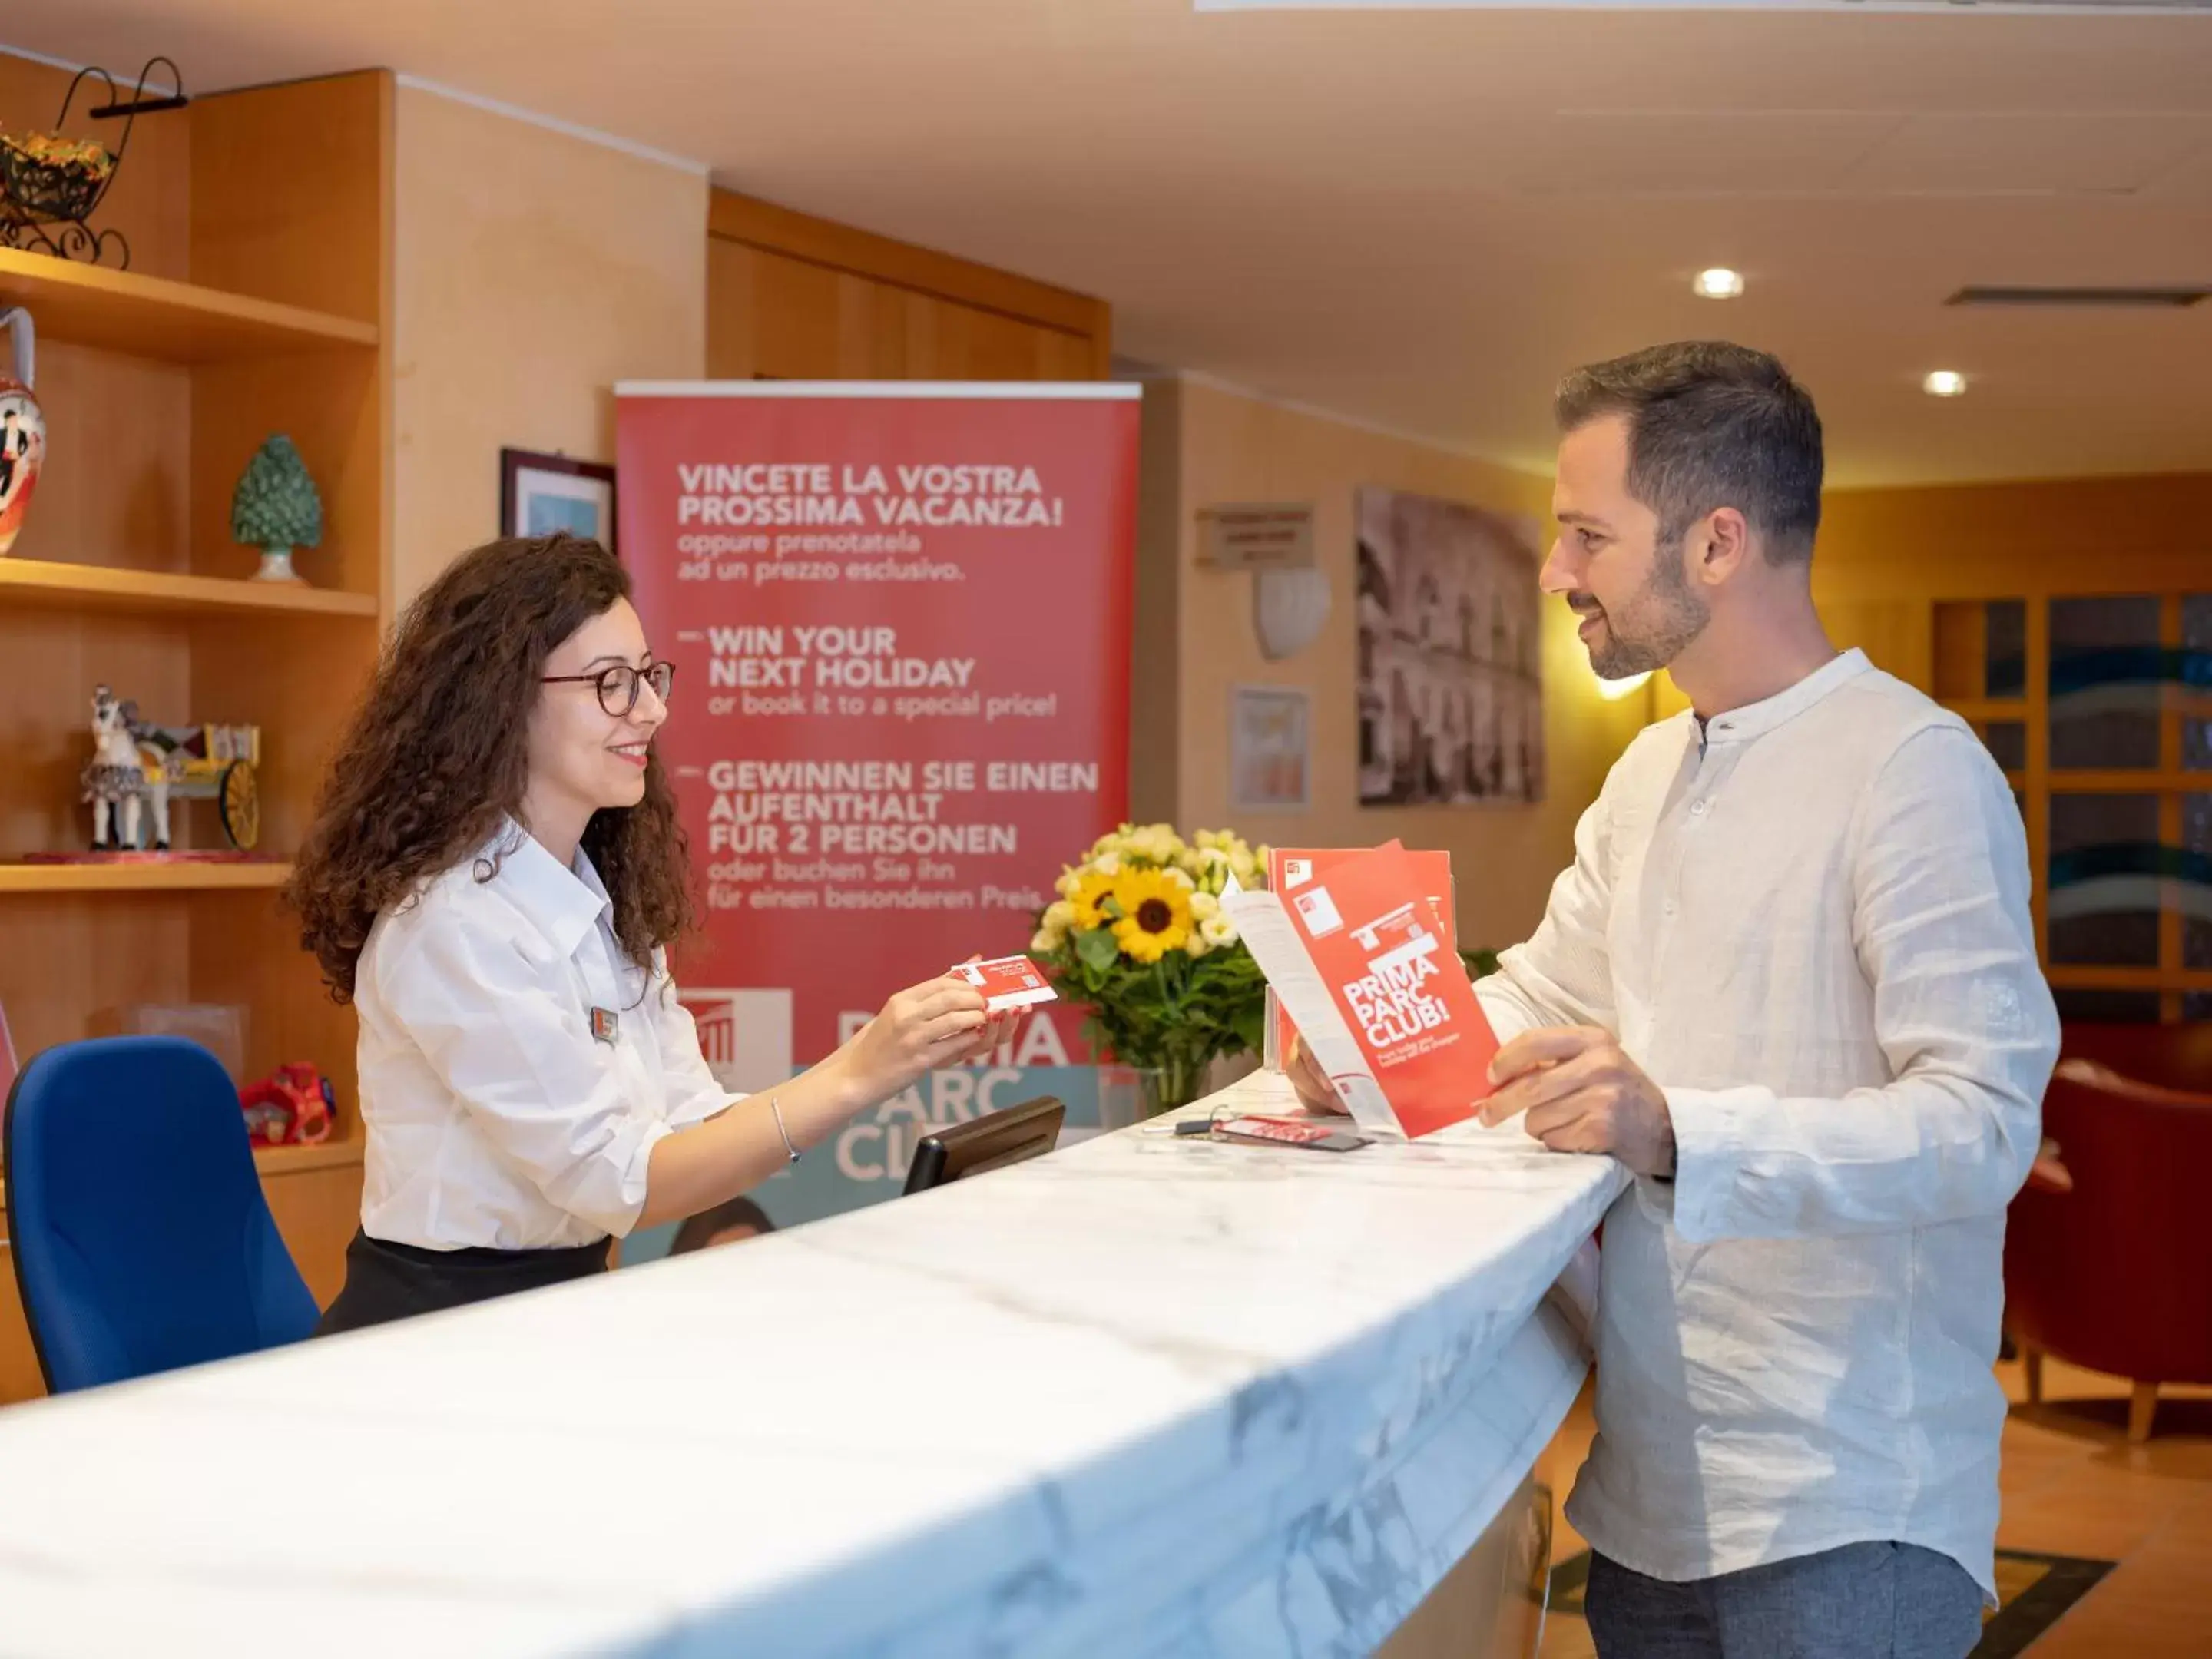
[{"x": 1710, "y": 425}]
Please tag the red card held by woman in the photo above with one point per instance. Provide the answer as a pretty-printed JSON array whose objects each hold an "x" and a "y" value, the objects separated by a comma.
[{"x": 1007, "y": 982}]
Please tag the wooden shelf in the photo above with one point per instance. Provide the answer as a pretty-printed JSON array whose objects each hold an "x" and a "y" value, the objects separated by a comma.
[
  {"x": 153, "y": 316},
  {"x": 107, "y": 587},
  {"x": 2082, "y": 977},
  {"x": 2129, "y": 781},
  {"x": 141, "y": 878},
  {"x": 296, "y": 1160},
  {"x": 279, "y": 1161}
]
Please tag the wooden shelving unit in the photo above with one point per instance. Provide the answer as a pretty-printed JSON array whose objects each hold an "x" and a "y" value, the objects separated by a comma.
[
  {"x": 260, "y": 303},
  {"x": 188, "y": 878},
  {"x": 1958, "y": 629},
  {"x": 154, "y": 593}
]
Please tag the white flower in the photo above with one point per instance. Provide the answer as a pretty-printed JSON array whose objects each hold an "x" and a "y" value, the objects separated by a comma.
[
  {"x": 1107, "y": 864},
  {"x": 1217, "y": 930},
  {"x": 1204, "y": 904},
  {"x": 1156, "y": 841},
  {"x": 1069, "y": 884},
  {"x": 1197, "y": 944},
  {"x": 1047, "y": 940},
  {"x": 1059, "y": 917}
]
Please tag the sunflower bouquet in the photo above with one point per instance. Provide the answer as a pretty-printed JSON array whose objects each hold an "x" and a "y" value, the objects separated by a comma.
[{"x": 1139, "y": 937}]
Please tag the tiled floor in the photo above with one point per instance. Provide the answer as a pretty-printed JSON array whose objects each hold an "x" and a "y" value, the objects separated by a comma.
[{"x": 2072, "y": 1486}]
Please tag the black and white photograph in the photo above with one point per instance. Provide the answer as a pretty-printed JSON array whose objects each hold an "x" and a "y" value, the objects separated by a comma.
[{"x": 1451, "y": 697}]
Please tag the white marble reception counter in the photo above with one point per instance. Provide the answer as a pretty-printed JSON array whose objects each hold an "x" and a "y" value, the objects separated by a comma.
[{"x": 1147, "y": 1395}]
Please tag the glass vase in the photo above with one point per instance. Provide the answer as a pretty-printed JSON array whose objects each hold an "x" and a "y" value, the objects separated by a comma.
[{"x": 1175, "y": 1082}]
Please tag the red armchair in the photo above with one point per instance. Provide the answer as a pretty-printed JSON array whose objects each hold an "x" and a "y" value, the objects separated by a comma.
[{"x": 2115, "y": 1275}]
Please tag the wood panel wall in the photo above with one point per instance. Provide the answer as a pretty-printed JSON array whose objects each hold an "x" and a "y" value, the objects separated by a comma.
[
  {"x": 1888, "y": 557},
  {"x": 790, "y": 298}
]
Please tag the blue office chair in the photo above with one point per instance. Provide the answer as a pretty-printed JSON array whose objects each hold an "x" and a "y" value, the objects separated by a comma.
[{"x": 141, "y": 1239}]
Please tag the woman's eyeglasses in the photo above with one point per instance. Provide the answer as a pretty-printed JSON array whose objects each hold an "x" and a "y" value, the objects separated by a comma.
[{"x": 617, "y": 686}]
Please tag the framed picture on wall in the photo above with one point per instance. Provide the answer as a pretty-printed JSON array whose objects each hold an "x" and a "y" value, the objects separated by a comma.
[
  {"x": 1451, "y": 677},
  {"x": 541, "y": 494},
  {"x": 1270, "y": 749}
]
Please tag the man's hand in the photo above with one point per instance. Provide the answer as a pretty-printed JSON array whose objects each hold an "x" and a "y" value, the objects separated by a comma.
[
  {"x": 1315, "y": 1092},
  {"x": 1583, "y": 1095}
]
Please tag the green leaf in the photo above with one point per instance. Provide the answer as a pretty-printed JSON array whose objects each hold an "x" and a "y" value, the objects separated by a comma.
[{"x": 1097, "y": 949}]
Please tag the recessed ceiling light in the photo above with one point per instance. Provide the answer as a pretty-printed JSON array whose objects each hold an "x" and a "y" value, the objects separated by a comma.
[
  {"x": 1718, "y": 284},
  {"x": 1944, "y": 383}
]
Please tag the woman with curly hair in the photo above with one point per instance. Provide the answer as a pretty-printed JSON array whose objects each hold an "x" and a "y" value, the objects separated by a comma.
[{"x": 493, "y": 875}]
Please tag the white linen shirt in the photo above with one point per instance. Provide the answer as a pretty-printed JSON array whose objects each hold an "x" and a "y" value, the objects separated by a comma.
[
  {"x": 494, "y": 1117},
  {"x": 1810, "y": 925}
]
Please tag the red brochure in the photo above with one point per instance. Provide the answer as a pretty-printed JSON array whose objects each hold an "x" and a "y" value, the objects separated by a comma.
[
  {"x": 1385, "y": 956},
  {"x": 1290, "y": 868}
]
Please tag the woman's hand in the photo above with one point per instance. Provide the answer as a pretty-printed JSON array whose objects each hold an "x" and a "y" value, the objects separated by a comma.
[
  {"x": 945, "y": 1022},
  {"x": 941, "y": 1022}
]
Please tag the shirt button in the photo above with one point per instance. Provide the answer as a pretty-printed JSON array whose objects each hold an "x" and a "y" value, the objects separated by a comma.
[
  {"x": 1696, "y": 809},
  {"x": 1670, "y": 907}
]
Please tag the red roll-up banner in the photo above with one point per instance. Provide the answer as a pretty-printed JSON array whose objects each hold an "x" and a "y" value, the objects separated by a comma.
[{"x": 900, "y": 615}]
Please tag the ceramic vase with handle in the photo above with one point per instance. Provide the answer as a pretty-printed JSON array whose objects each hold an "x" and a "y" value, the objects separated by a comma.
[{"x": 22, "y": 429}]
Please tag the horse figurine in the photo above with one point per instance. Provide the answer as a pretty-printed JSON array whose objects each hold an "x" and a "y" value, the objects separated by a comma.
[{"x": 118, "y": 779}]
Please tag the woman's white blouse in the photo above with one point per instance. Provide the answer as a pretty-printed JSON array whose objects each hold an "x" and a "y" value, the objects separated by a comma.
[{"x": 495, "y": 1117}]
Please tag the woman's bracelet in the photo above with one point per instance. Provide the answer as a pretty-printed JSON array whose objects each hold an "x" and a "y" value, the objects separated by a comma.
[{"x": 775, "y": 1109}]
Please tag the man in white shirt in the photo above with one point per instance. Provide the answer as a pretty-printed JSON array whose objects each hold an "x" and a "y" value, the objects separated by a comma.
[{"x": 1791, "y": 983}]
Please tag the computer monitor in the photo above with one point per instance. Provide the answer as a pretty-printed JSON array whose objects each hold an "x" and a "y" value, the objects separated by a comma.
[{"x": 989, "y": 1142}]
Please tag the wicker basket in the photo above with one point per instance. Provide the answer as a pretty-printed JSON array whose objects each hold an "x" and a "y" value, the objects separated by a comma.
[{"x": 39, "y": 191}]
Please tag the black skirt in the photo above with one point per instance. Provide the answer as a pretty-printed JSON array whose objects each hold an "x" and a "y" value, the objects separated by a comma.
[{"x": 386, "y": 1281}]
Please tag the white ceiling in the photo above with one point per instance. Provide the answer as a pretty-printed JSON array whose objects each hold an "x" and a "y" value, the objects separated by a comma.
[{"x": 1418, "y": 219}]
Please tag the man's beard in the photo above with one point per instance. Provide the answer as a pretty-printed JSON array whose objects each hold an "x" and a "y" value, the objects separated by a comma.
[{"x": 1654, "y": 627}]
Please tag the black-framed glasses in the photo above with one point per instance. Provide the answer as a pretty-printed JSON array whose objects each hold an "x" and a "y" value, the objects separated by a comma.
[{"x": 617, "y": 685}]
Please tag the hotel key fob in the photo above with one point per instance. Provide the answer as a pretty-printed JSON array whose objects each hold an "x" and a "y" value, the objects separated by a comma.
[{"x": 1288, "y": 1132}]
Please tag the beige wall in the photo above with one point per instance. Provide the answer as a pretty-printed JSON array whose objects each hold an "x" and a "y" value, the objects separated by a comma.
[
  {"x": 1231, "y": 447},
  {"x": 535, "y": 268}
]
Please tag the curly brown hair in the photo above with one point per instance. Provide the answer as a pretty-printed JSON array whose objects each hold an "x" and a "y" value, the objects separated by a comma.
[{"x": 438, "y": 753}]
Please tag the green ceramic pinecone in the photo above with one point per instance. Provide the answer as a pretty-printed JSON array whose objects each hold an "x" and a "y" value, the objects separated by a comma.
[{"x": 275, "y": 504}]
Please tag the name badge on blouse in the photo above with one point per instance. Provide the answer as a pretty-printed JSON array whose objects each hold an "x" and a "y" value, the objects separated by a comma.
[{"x": 605, "y": 1025}]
